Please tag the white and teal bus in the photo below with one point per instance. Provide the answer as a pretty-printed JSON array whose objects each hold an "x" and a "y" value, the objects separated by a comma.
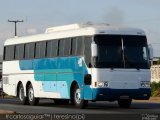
[{"x": 78, "y": 63}]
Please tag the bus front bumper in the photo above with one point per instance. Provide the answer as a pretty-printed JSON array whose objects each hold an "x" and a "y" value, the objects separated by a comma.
[{"x": 107, "y": 94}]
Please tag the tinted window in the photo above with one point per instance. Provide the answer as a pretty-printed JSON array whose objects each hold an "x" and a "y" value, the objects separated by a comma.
[
  {"x": 43, "y": 49},
  {"x": 73, "y": 46},
  {"x": 138, "y": 45},
  {"x": 67, "y": 47},
  {"x": 19, "y": 52},
  {"x": 37, "y": 52},
  {"x": 26, "y": 51},
  {"x": 52, "y": 47},
  {"x": 9, "y": 52},
  {"x": 121, "y": 51},
  {"x": 61, "y": 47},
  {"x": 29, "y": 50},
  {"x": 80, "y": 46},
  {"x": 4, "y": 53},
  {"x": 40, "y": 49},
  {"x": 110, "y": 53},
  {"x": 87, "y": 51}
]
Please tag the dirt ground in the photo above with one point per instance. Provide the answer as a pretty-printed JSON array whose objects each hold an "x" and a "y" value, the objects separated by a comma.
[
  {"x": 152, "y": 99},
  {"x": 6, "y": 112}
]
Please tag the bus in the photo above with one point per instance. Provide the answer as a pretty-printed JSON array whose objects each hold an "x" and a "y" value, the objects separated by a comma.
[{"x": 78, "y": 63}]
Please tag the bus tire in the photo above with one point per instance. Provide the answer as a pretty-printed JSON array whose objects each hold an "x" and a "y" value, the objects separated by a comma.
[
  {"x": 31, "y": 99},
  {"x": 77, "y": 101},
  {"x": 124, "y": 103},
  {"x": 23, "y": 99},
  {"x": 61, "y": 101}
]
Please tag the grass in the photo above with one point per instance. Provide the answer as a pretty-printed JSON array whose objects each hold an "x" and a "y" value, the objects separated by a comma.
[{"x": 155, "y": 88}]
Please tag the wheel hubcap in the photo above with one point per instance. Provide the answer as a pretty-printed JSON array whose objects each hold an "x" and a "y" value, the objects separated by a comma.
[
  {"x": 31, "y": 94},
  {"x": 21, "y": 94},
  {"x": 77, "y": 96}
]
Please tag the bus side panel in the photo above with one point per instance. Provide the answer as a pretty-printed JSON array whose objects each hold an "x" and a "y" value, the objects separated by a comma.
[
  {"x": 87, "y": 89},
  {"x": 57, "y": 74},
  {"x": 63, "y": 84},
  {"x": 49, "y": 84},
  {"x": 88, "y": 92}
]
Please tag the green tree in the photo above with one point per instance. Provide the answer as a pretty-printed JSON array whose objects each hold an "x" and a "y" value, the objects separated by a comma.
[
  {"x": 155, "y": 87},
  {"x": 158, "y": 61}
]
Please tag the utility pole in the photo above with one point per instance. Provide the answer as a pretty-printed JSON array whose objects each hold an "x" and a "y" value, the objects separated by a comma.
[{"x": 15, "y": 23}]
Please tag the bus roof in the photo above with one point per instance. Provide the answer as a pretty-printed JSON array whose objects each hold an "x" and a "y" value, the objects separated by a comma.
[{"x": 74, "y": 30}]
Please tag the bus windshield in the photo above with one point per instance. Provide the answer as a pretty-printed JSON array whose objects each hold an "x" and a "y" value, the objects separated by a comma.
[{"x": 121, "y": 51}]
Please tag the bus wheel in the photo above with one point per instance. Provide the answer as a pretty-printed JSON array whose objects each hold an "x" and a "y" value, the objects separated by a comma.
[
  {"x": 31, "y": 99},
  {"x": 124, "y": 103},
  {"x": 61, "y": 101},
  {"x": 78, "y": 102},
  {"x": 21, "y": 95}
]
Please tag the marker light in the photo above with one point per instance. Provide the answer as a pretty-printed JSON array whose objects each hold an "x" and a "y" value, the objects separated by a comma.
[
  {"x": 145, "y": 84},
  {"x": 102, "y": 84}
]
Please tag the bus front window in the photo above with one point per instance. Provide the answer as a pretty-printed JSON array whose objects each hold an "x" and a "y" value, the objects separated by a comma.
[
  {"x": 115, "y": 51},
  {"x": 135, "y": 52}
]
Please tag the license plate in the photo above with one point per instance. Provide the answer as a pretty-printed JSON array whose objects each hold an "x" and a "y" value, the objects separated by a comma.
[{"x": 124, "y": 97}]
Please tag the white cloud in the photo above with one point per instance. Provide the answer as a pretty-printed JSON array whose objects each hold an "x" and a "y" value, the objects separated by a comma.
[{"x": 32, "y": 31}]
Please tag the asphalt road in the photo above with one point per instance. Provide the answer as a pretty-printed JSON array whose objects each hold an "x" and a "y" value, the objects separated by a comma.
[{"x": 48, "y": 106}]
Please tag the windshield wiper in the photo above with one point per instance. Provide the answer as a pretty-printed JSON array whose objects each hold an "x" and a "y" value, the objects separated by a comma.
[{"x": 123, "y": 56}]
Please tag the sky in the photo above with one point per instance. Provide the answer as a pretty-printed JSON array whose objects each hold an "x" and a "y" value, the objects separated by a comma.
[{"x": 41, "y": 14}]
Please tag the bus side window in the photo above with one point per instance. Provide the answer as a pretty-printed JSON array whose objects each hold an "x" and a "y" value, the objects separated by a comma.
[
  {"x": 26, "y": 55},
  {"x": 37, "y": 50},
  {"x": 87, "y": 51},
  {"x": 61, "y": 48},
  {"x": 73, "y": 46},
  {"x": 4, "y": 53},
  {"x": 29, "y": 50},
  {"x": 80, "y": 46},
  {"x": 67, "y": 47},
  {"x": 40, "y": 49},
  {"x": 51, "y": 48},
  {"x": 55, "y": 48},
  {"x": 9, "y": 53},
  {"x": 19, "y": 52}
]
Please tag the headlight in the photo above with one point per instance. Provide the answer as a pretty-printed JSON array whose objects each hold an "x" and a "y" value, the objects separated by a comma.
[
  {"x": 101, "y": 84},
  {"x": 145, "y": 84}
]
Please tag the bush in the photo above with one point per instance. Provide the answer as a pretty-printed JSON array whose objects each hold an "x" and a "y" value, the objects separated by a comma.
[{"x": 155, "y": 88}]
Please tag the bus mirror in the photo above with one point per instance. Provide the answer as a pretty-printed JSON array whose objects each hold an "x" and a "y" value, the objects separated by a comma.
[
  {"x": 150, "y": 52},
  {"x": 94, "y": 50},
  {"x": 90, "y": 65},
  {"x": 88, "y": 79}
]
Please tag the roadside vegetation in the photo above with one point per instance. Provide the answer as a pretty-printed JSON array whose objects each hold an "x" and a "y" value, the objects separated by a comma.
[
  {"x": 155, "y": 89},
  {"x": 158, "y": 61}
]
